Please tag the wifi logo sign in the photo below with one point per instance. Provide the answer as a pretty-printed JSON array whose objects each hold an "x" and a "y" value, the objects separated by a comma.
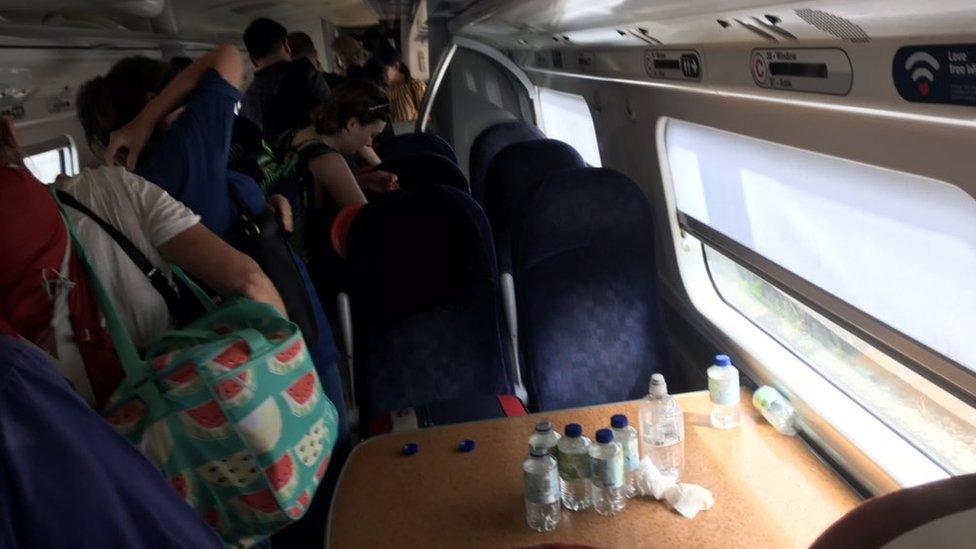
[{"x": 922, "y": 67}]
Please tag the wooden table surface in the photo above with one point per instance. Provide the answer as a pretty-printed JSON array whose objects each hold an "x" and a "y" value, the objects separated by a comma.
[{"x": 770, "y": 490}]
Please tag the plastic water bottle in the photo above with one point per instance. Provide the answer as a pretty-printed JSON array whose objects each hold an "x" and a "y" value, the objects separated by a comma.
[
  {"x": 542, "y": 492},
  {"x": 544, "y": 435},
  {"x": 776, "y": 409},
  {"x": 626, "y": 437},
  {"x": 663, "y": 429},
  {"x": 723, "y": 390},
  {"x": 607, "y": 474},
  {"x": 574, "y": 468}
]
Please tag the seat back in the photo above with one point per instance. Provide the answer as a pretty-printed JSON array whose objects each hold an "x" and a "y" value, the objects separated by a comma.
[
  {"x": 489, "y": 142},
  {"x": 424, "y": 299},
  {"x": 590, "y": 318},
  {"x": 422, "y": 169},
  {"x": 515, "y": 171},
  {"x": 413, "y": 143},
  {"x": 938, "y": 514}
]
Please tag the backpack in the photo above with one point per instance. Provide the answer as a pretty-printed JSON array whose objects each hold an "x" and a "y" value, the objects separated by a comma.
[{"x": 229, "y": 408}]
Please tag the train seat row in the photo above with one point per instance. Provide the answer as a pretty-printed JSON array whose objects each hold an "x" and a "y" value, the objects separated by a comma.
[{"x": 434, "y": 327}]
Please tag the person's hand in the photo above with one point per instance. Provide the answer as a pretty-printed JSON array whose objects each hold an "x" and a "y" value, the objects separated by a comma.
[
  {"x": 378, "y": 181},
  {"x": 281, "y": 205},
  {"x": 126, "y": 144}
]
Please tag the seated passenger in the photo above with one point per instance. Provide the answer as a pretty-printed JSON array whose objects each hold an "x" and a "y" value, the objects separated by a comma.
[
  {"x": 67, "y": 479},
  {"x": 344, "y": 125},
  {"x": 48, "y": 297},
  {"x": 284, "y": 90},
  {"x": 406, "y": 93},
  {"x": 350, "y": 57}
]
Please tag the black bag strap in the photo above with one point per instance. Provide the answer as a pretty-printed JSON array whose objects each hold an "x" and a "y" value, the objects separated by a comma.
[{"x": 156, "y": 277}]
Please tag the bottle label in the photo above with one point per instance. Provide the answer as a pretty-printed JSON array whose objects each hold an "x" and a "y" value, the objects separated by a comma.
[
  {"x": 574, "y": 466},
  {"x": 542, "y": 488},
  {"x": 608, "y": 473},
  {"x": 724, "y": 392},
  {"x": 631, "y": 457}
]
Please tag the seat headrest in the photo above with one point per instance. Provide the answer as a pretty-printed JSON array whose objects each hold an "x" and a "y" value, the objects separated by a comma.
[
  {"x": 424, "y": 169},
  {"x": 416, "y": 247},
  {"x": 489, "y": 142},
  {"x": 582, "y": 207},
  {"x": 520, "y": 167},
  {"x": 413, "y": 143}
]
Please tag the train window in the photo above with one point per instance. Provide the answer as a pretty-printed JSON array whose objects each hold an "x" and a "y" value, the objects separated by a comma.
[
  {"x": 566, "y": 117},
  {"x": 942, "y": 426},
  {"x": 49, "y": 159},
  {"x": 477, "y": 88},
  {"x": 859, "y": 271}
]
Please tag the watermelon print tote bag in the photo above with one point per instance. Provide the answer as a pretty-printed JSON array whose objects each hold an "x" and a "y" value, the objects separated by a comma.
[{"x": 230, "y": 409}]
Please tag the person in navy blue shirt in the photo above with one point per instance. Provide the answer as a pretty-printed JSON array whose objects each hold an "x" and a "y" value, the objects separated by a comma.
[
  {"x": 67, "y": 479},
  {"x": 175, "y": 131}
]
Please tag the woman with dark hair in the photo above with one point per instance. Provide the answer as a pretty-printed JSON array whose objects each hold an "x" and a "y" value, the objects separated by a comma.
[
  {"x": 343, "y": 126},
  {"x": 406, "y": 93}
]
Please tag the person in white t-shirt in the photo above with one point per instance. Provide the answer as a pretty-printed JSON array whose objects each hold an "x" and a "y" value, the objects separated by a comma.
[
  {"x": 165, "y": 231},
  {"x": 162, "y": 228}
]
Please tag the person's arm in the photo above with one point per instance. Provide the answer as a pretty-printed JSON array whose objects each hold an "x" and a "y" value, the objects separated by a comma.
[
  {"x": 333, "y": 176},
  {"x": 126, "y": 143},
  {"x": 377, "y": 181},
  {"x": 282, "y": 207},
  {"x": 368, "y": 154},
  {"x": 229, "y": 272}
]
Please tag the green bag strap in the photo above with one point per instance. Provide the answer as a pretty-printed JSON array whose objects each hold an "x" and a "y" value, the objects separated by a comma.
[{"x": 136, "y": 380}]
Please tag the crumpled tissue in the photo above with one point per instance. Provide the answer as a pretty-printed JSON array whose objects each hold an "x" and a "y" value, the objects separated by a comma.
[{"x": 686, "y": 499}]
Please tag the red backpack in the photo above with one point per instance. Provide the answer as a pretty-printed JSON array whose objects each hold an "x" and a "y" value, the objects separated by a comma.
[{"x": 37, "y": 264}]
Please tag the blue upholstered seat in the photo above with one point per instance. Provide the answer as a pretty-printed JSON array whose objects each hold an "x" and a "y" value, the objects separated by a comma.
[
  {"x": 516, "y": 170},
  {"x": 413, "y": 143},
  {"x": 488, "y": 143},
  {"x": 424, "y": 299},
  {"x": 590, "y": 319},
  {"x": 420, "y": 169}
]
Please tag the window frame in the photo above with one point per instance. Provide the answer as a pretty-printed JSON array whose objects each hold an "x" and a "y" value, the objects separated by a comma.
[
  {"x": 875, "y": 455},
  {"x": 69, "y": 162},
  {"x": 930, "y": 364},
  {"x": 444, "y": 64}
]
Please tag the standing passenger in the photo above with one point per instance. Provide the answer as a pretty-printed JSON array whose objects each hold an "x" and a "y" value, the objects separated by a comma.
[
  {"x": 343, "y": 126},
  {"x": 406, "y": 93},
  {"x": 284, "y": 90},
  {"x": 350, "y": 56},
  {"x": 187, "y": 125}
]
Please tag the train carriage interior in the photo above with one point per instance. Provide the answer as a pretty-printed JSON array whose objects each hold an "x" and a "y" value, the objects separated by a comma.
[{"x": 314, "y": 272}]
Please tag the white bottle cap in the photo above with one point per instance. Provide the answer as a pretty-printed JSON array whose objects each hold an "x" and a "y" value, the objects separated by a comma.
[{"x": 659, "y": 387}]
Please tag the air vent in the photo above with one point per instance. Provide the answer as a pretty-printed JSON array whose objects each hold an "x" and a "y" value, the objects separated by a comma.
[
  {"x": 835, "y": 25},
  {"x": 773, "y": 26},
  {"x": 757, "y": 30},
  {"x": 643, "y": 34}
]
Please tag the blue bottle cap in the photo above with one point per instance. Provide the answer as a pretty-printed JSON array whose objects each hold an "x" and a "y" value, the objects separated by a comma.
[
  {"x": 574, "y": 430},
  {"x": 618, "y": 421},
  {"x": 410, "y": 449},
  {"x": 466, "y": 446},
  {"x": 604, "y": 436},
  {"x": 723, "y": 360}
]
